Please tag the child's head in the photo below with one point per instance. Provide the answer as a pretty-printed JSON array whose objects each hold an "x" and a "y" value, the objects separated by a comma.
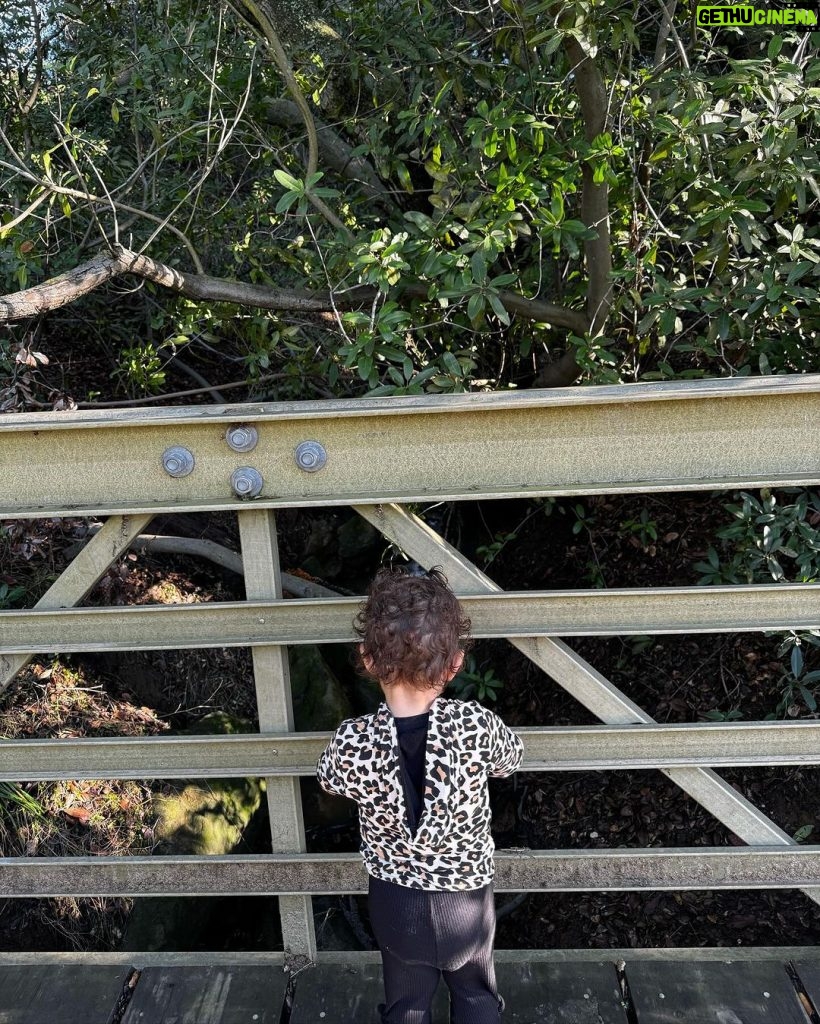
[{"x": 413, "y": 630}]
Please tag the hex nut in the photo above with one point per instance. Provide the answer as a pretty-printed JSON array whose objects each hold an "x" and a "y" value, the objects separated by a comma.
[
  {"x": 242, "y": 438},
  {"x": 177, "y": 461},
  {"x": 310, "y": 456},
  {"x": 247, "y": 482}
]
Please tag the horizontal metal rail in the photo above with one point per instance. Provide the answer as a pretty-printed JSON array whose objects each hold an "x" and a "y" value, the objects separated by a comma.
[
  {"x": 628, "y": 438},
  {"x": 328, "y": 620},
  {"x": 551, "y": 748},
  {"x": 760, "y": 867}
]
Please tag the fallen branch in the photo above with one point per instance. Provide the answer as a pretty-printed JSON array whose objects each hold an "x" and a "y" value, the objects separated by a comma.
[
  {"x": 213, "y": 552},
  {"x": 85, "y": 278}
]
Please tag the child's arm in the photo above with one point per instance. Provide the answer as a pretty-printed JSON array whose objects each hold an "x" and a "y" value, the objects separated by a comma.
[
  {"x": 328, "y": 771},
  {"x": 506, "y": 748}
]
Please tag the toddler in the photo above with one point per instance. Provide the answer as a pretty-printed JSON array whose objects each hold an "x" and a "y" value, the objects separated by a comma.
[{"x": 418, "y": 770}]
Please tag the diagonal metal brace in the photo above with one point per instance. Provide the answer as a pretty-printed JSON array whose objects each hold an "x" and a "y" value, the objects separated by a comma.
[
  {"x": 77, "y": 579},
  {"x": 578, "y": 677}
]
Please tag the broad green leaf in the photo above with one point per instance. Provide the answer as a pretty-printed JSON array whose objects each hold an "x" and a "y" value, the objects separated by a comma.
[{"x": 288, "y": 181}]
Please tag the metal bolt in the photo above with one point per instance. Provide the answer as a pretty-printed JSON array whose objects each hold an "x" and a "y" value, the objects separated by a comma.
[
  {"x": 242, "y": 438},
  {"x": 177, "y": 461},
  {"x": 310, "y": 456},
  {"x": 247, "y": 482}
]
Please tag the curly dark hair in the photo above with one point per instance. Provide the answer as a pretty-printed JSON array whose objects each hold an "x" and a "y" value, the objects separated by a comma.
[{"x": 412, "y": 629}]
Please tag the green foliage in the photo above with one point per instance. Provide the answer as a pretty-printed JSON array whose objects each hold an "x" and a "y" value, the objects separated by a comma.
[
  {"x": 140, "y": 369},
  {"x": 10, "y": 595},
  {"x": 798, "y": 683},
  {"x": 644, "y": 529},
  {"x": 716, "y": 715},
  {"x": 473, "y": 128},
  {"x": 14, "y": 797},
  {"x": 767, "y": 540},
  {"x": 473, "y": 684},
  {"x": 488, "y": 552}
]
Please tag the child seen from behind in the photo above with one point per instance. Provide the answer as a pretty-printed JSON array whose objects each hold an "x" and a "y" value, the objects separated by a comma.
[{"x": 418, "y": 770}]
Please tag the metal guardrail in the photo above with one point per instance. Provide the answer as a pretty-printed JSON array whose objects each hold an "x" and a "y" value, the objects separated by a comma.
[{"x": 629, "y": 438}]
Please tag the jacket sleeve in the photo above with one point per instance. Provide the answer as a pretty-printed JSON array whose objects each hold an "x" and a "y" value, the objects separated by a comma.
[
  {"x": 328, "y": 770},
  {"x": 506, "y": 751}
]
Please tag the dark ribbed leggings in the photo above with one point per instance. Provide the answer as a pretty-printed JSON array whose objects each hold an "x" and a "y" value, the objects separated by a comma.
[{"x": 423, "y": 935}]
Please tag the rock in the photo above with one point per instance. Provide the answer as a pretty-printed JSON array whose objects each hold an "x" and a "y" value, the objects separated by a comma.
[
  {"x": 356, "y": 539},
  {"x": 319, "y": 700},
  {"x": 207, "y": 817},
  {"x": 321, "y": 557},
  {"x": 203, "y": 817}
]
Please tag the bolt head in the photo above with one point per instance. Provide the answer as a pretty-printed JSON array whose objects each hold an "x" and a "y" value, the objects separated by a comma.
[
  {"x": 177, "y": 461},
  {"x": 242, "y": 438},
  {"x": 310, "y": 456},
  {"x": 247, "y": 482}
]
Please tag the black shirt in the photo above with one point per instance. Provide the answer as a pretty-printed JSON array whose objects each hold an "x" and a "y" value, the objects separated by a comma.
[{"x": 412, "y": 732}]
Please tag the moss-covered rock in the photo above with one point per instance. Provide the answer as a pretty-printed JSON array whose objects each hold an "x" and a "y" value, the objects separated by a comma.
[{"x": 205, "y": 817}]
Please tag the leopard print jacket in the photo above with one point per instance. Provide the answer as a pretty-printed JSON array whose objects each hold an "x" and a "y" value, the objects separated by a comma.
[{"x": 452, "y": 848}]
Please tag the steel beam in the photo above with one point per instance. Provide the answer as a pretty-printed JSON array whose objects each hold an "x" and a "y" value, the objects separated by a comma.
[
  {"x": 551, "y": 748},
  {"x": 329, "y": 620},
  {"x": 771, "y": 867},
  {"x": 623, "y": 438}
]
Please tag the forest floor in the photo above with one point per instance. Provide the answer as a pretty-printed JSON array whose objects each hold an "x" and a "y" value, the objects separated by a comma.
[{"x": 674, "y": 678}]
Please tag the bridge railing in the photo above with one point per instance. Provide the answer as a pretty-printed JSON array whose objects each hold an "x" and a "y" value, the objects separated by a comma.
[{"x": 376, "y": 455}]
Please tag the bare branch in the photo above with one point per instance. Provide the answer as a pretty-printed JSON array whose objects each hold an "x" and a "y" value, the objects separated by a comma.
[
  {"x": 27, "y": 104},
  {"x": 265, "y": 24},
  {"x": 74, "y": 193},
  {"x": 81, "y": 280}
]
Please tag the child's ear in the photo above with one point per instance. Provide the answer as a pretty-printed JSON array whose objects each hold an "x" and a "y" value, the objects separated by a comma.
[{"x": 458, "y": 661}]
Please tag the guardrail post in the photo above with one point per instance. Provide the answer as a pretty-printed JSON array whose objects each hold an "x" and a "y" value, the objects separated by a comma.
[{"x": 260, "y": 558}]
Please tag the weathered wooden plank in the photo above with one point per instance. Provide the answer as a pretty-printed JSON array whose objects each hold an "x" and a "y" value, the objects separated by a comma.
[
  {"x": 69, "y": 994},
  {"x": 271, "y": 671},
  {"x": 77, "y": 579},
  {"x": 578, "y": 677},
  {"x": 671, "y": 992},
  {"x": 808, "y": 971},
  {"x": 348, "y": 994},
  {"x": 546, "y": 748},
  {"x": 524, "y": 614},
  {"x": 751, "y": 867},
  {"x": 561, "y": 993},
  {"x": 629, "y": 438},
  {"x": 804, "y": 955},
  {"x": 208, "y": 995}
]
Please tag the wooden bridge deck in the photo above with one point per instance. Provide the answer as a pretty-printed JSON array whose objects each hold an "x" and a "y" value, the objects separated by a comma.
[{"x": 678, "y": 989}]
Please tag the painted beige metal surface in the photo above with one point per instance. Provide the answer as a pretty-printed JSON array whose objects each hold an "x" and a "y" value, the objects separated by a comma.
[
  {"x": 580, "y": 679},
  {"x": 551, "y": 748},
  {"x": 747, "y": 867},
  {"x": 630, "y": 438},
  {"x": 527, "y": 614},
  {"x": 77, "y": 579},
  {"x": 260, "y": 561}
]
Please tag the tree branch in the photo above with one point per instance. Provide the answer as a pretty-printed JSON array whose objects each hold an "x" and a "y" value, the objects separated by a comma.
[
  {"x": 591, "y": 90},
  {"x": 26, "y": 106},
  {"x": 265, "y": 24},
  {"x": 334, "y": 151},
  {"x": 85, "y": 278}
]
